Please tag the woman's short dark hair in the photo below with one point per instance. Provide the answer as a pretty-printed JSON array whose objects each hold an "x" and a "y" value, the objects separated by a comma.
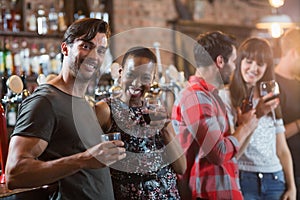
[
  {"x": 139, "y": 51},
  {"x": 86, "y": 27}
]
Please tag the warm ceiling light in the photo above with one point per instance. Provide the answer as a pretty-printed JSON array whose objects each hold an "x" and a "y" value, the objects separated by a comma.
[
  {"x": 284, "y": 21},
  {"x": 276, "y": 3},
  {"x": 276, "y": 30},
  {"x": 275, "y": 24}
]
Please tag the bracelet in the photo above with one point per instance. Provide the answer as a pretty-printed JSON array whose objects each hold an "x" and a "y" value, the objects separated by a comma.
[{"x": 298, "y": 125}]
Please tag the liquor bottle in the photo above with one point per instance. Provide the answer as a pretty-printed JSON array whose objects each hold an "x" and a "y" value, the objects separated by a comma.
[
  {"x": 3, "y": 85},
  {"x": 30, "y": 19},
  {"x": 7, "y": 18},
  {"x": 42, "y": 25},
  {"x": 54, "y": 63},
  {"x": 1, "y": 58},
  {"x": 53, "y": 19},
  {"x": 7, "y": 57},
  {"x": 247, "y": 103},
  {"x": 24, "y": 56},
  {"x": 23, "y": 78},
  {"x": 1, "y": 18},
  {"x": 17, "y": 22},
  {"x": 62, "y": 23},
  {"x": 31, "y": 80},
  {"x": 16, "y": 17},
  {"x": 79, "y": 15},
  {"x": 17, "y": 63},
  {"x": 12, "y": 114}
]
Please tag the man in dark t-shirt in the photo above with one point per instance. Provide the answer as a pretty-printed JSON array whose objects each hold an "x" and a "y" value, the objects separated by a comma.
[
  {"x": 288, "y": 76},
  {"x": 57, "y": 135}
]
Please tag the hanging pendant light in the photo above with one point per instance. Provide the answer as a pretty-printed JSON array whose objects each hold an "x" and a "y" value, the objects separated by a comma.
[{"x": 275, "y": 23}]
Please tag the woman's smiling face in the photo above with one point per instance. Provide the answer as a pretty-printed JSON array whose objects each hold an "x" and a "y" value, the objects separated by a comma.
[
  {"x": 252, "y": 71},
  {"x": 136, "y": 77}
]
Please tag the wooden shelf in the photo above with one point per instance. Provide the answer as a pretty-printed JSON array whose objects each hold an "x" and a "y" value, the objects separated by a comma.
[
  {"x": 30, "y": 34},
  {"x": 193, "y": 29}
]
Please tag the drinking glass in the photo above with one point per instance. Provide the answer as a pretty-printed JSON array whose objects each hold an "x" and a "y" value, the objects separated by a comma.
[
  {"x": 267, "y": 87},
  {"x": 155, "y": 115},
  {"x": 154, "y": 112},
  {"x": 111, "y": 136}
]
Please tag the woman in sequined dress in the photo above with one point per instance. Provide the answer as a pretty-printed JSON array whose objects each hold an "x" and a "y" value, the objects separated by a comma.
[
  {"x": 153, "y": 154},
  {"x": 265, "y": 165}
]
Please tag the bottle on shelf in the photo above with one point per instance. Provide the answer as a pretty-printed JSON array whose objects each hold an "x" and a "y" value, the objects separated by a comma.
[
  {"x": 1, "y": 58},
  {"x": 25, "y": 56},
  {"x": 62, "y": 25},
  {"x": 53, "y": 19},
  {"x": 16, "y": 23},
  {"x": 42, "y": 24},
  {"x": 7, "y": 57},
  {"x": 23, "y": 78},
  {"x": 31, "y": 80},
  {"x": 11, "y": 114},
  {"x": 62, "y": 22},
  {"x": 54, "y": 63},
  {"x": 31, "y": 18},
  {"x": 1, "y": 18},
  {"x": 16, "y": 57},
  {"x": 79, "y": 15},
  {"x": 247, "y": 103},
  {"x": 6, "y": 17},
  {"x": 44, "y": 59},
  {"x": 3, "y": 85},
  {"x": 104, "y": 14}
]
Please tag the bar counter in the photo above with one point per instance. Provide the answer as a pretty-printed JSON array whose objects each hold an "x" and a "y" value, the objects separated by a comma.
[{"x": 39, "y": 193}]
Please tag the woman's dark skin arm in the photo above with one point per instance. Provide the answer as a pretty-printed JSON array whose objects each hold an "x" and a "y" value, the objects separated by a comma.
[
  {"x": 174, "y": 152},
  {"x": 103, "y": 115}
]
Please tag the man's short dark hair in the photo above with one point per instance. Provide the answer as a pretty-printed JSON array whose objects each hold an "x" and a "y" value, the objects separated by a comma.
[
  {"x": 86, "y": 27},
  {"x": 212, "y": 44}
]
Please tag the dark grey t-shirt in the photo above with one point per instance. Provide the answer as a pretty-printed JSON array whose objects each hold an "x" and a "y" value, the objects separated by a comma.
[
  {"x": 70, "y": 126},
  {"x": 290, "y": 106}
]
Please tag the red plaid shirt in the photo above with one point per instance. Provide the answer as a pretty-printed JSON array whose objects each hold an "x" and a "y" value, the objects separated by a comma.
[{"x": 200, "y": 120}]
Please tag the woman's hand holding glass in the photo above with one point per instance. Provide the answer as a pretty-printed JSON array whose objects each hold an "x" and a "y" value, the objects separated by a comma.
[
  {"x": 154, "y": 113},
  {"x": 269, "y": 91}
]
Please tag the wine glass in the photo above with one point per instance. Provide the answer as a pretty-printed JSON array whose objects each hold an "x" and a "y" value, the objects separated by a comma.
[
  {"x": 155, "y": 114},
  {"x": 267, "y": 87}
]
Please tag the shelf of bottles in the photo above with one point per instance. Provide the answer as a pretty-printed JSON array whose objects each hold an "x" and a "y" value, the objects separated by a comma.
[{"x": 30, "y": 36}]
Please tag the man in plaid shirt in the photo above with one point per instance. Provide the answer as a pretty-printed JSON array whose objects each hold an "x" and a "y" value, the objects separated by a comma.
[{"x": 200, "y": 120}]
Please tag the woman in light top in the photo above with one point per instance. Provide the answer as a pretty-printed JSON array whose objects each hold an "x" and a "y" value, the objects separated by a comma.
[{"x": 265, "y": 162}]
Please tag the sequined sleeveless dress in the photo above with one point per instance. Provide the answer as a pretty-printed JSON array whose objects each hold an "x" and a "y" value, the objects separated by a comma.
[{"x": 143, "y": 174}]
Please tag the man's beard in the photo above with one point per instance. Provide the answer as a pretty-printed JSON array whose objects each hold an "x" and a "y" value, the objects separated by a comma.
[
  {"x": 78, "y": 75},
  {"x": 226, "y": 74}
]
